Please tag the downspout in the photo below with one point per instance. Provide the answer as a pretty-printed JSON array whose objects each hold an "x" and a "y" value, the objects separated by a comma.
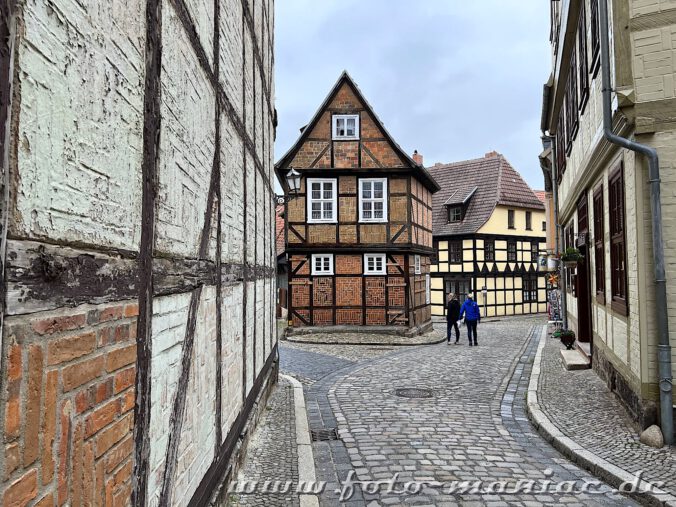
[
  {"x": 663, "y": 347},
  {"x": 557, "y": 235}
]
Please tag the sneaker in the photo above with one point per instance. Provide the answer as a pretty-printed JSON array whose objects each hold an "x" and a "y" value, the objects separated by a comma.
[
  {"x": 476, "y": 344},
  {"x": 470, "y": 344}
]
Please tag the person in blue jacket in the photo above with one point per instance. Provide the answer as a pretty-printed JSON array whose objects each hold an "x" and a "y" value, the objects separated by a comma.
[{"x": 470, "y": 310}]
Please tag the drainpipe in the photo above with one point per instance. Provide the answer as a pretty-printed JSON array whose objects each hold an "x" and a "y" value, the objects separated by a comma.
[
  {"x": 557, "y": 236},
  {"x": 663, "y": 348}
]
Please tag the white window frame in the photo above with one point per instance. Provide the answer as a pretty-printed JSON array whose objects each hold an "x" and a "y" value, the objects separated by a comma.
[
  {"x": 310, "y": 200},
  {"x": 372, "y": 200},
  {"x": 428, "y": 294},
  {"x": 416, "y": 264},
  {"x": 382, "y": 271},
  {"x": 322, "y": 272},
  {"x": 345, "y": 117}
]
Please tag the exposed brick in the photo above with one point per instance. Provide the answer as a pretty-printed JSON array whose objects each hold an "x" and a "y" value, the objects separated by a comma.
[
  {"x": 375, "y": 317},
  {"x": 70, "y": 347},
  {"x": 131, "y": 310},
  {"x": 125, "y": 379},
  {"x": 108, "y": 437},
  {"x": 121, "y": 497},
  {"x": 88, "y": 481},
  {"x": 45, "y": 501},
  {"x": 296, "y": 322},
  {"x": 348, "y": 264},
  {"x": 80, "y": 373},
  {"x": 127, "y": 401},
  {"x": 12, "y": 458},
  {"x": 49, "y": 426},
  {"x": 322, "y": 291},
  {"x": 118, "y": 358},
  {"x": 64, "y": 448},
  {"x": 53, "y": 325},
  {"x": 101, "y": 417},
  {"x": 111, "y": 313},
  {"x": 13, "y": 416},
  {"x": 375, "y": 291},
  {"x": 123, "y": 474},
  {"x": 33, "y": 403},
  {"x": 119, "y": 453},
  {"x": 300, "y": 296},
  {"x": 321, "y": 234},
  {"x": 322, "y": 317},
  {"x": 14, "y": 363},
  {"x": 77, "y": 465},
  {"x": 122, "y": 333},
  {"x": 348, "y": 317},
  {"x": 21, "y": 491},
  {"x": 348, "y": 291}
]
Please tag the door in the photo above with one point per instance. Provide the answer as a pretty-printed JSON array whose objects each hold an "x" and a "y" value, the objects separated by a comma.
[
  {"x": 458, "y": 286},
  {"x": 582, "y": 285}
]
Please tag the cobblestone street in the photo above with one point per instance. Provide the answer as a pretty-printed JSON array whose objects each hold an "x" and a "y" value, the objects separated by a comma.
[{"x": 472, "y": 426}]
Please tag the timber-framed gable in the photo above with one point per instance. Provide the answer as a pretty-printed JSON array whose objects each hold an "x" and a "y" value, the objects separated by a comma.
[{"x": 364, "y": 208}]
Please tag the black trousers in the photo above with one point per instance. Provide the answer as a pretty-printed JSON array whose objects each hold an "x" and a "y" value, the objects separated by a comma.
[
  {"x": 471, "y": 329},
  {"x": 450, "y": 324}
]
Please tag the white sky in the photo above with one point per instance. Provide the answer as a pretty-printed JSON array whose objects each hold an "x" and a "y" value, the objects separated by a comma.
[{"x": 453, "y": 79}]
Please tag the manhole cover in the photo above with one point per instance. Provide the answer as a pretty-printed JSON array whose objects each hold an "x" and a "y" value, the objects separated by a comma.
[
  {"x": 414, "y": 392},
  {"x": 324, "y": 435}
]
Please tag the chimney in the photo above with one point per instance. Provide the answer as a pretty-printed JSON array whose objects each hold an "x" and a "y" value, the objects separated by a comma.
[
  {"x": 491, "y": 154},
  {"x": 417, "y": 157}
]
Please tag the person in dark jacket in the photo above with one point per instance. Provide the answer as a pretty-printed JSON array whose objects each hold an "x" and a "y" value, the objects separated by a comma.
[
  {"x": 470, "y": 310},
  {"x": 452, "y": 317}
]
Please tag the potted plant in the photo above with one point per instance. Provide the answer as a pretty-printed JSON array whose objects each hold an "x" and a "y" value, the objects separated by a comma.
[
  {"x": 568, "y": 338},
  {"x": 571, "y": 257}
]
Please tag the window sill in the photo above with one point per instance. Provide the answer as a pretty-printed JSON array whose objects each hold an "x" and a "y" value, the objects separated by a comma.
[
  {"x": 322, "y": 221},
  {"x": 379, "y": 221},
  {"x": 322, "y": 274},
  {"x": 375, "y": 274},
  {"x": 356, "y": 138},
  {"x": 511, "y": 228},
  {"x": 620, "y": 306}
]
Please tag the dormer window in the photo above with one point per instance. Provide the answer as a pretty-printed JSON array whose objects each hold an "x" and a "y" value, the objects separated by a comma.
[
  {"x": 455, "y": 214},
  {"x": 346, "y": 126}
]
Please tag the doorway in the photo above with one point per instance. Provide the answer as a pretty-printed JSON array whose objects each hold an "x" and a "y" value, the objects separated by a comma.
[{"x": 456, "y": 285}]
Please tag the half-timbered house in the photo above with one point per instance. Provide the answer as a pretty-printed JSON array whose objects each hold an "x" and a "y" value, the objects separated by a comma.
[
  {"x": 489, "y": 227},
  {"x": 359, "y": 230}
]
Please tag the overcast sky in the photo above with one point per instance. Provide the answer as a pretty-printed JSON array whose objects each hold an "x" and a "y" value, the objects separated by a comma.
[{"x": 453, "y": 79}]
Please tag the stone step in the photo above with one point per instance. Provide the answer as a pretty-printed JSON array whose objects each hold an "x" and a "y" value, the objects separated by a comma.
[{"x": 575, "y": 360}]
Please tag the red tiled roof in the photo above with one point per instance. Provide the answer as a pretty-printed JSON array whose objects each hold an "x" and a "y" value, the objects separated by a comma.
[
  {"x": 541, "y": 194},
  {"x": 497, "y": 183},
  {"x": 279, "y": 229}
]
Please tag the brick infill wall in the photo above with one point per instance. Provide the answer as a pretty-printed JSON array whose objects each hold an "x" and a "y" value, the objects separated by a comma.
[{"x": 68, "y": 398}]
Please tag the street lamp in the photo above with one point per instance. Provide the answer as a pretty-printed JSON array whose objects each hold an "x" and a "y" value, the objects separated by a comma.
[{"x": 293, "y": 181}]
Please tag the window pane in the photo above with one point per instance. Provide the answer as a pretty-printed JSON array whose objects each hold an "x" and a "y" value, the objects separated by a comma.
[
  {"x": 340, "y": 127},
  {"x": 316, "y": 186},
  {"x": 378, "y": 189},
  {"x": 327, "y": 263},
  {"x": 366, "y": 206},
  {"x": 350, "y": 127},
  {"x": 366, "y": 191}
]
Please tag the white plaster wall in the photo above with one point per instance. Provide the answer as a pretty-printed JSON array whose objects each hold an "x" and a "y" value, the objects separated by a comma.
[
  {"x": 250, "y": 317},
  {"x": 197, "y": 444},
  {"x": 232, "y": 190},
  {"x": 81, "y": 75},
  {"x": 231, "y": 52},
  {"x": 186, "y": 142},
  {"x": 170, "y": 314},
  {"x": 232, "y": 328}
]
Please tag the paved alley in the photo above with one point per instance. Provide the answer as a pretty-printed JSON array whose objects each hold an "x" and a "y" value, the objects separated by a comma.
[{"x": 434, "y": 425}]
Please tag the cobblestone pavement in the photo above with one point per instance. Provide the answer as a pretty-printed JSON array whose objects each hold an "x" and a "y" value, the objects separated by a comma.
[
  {"x": 361, "y": 338},
  {"x": 271, "y": 455},
  {"x": 474, "y": 428},
  {"x": 582, "y": 407}
]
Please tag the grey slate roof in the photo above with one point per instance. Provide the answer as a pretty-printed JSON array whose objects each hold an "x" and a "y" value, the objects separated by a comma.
[{"x": 496, "y": 182}]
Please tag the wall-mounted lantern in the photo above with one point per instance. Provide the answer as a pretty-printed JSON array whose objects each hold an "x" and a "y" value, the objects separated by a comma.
[{"x": 293, "y": 181}]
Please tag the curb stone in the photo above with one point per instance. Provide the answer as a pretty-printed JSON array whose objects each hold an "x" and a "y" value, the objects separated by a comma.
[
  {"x": 306, "y": 462},
  {"x": 586, "y": 459}
]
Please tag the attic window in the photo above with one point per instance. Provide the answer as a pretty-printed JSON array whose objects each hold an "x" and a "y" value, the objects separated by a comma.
[
  {"x": 455, "y": 214},
  {"x": 346, "y": 126}
]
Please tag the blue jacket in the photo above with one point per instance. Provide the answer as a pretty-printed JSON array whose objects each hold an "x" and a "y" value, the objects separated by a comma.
[{"x": 470, "y": 310}]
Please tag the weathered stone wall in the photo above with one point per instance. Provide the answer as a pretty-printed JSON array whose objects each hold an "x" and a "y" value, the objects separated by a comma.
[{"x": 140, "y": 266}]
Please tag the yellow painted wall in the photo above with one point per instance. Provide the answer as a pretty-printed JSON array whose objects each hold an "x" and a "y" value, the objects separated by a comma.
[{"x": 497, "y": 223}]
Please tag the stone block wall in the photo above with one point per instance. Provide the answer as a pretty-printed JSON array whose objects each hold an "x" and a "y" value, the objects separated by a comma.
[{"x": 138, "y": 308}]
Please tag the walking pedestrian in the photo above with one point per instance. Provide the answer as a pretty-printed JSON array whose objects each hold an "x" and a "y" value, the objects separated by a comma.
[
  {"x": 452, "y": 316},
  {"x": 472, "y": 314}
]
